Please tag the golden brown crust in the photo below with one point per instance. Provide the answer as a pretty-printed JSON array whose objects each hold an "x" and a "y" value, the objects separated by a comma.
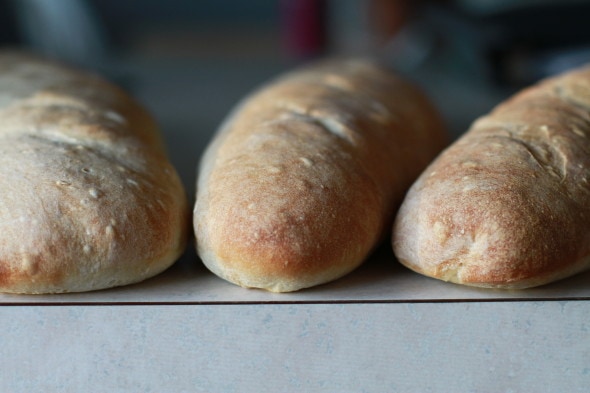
[
  {"x": 304, "y": 177},
  {"x": 89, "y": 198},
  {"x": 507, "y": 205}
]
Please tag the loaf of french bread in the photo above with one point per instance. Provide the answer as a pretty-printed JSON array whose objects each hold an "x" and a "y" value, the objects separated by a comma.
[
  {"x": 89, "y": 199},
  {"x": 508, "y": 204},
  {"x": 304, "y": 176}
]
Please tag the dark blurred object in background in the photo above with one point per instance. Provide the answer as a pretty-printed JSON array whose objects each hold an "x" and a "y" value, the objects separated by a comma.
[
  {"x": 530, "y": 42},
  {"x": 304, "y": 28},
  {"x": 66, "y": 29},
  {"x": 514, "y": 43}
]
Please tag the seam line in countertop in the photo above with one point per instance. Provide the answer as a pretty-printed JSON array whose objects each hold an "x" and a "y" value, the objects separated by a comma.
[{"x": 302, "y": 302}]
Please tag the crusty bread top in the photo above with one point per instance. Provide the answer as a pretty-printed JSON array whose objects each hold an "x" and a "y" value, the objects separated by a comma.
[
  {"x": 89, "y": 198},
  {"x": 306, "y": 173},
  {"x": 508, "y": 204}
]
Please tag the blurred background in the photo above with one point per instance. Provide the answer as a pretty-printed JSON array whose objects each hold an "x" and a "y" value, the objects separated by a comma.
[{"x": 190, "y": 61}]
